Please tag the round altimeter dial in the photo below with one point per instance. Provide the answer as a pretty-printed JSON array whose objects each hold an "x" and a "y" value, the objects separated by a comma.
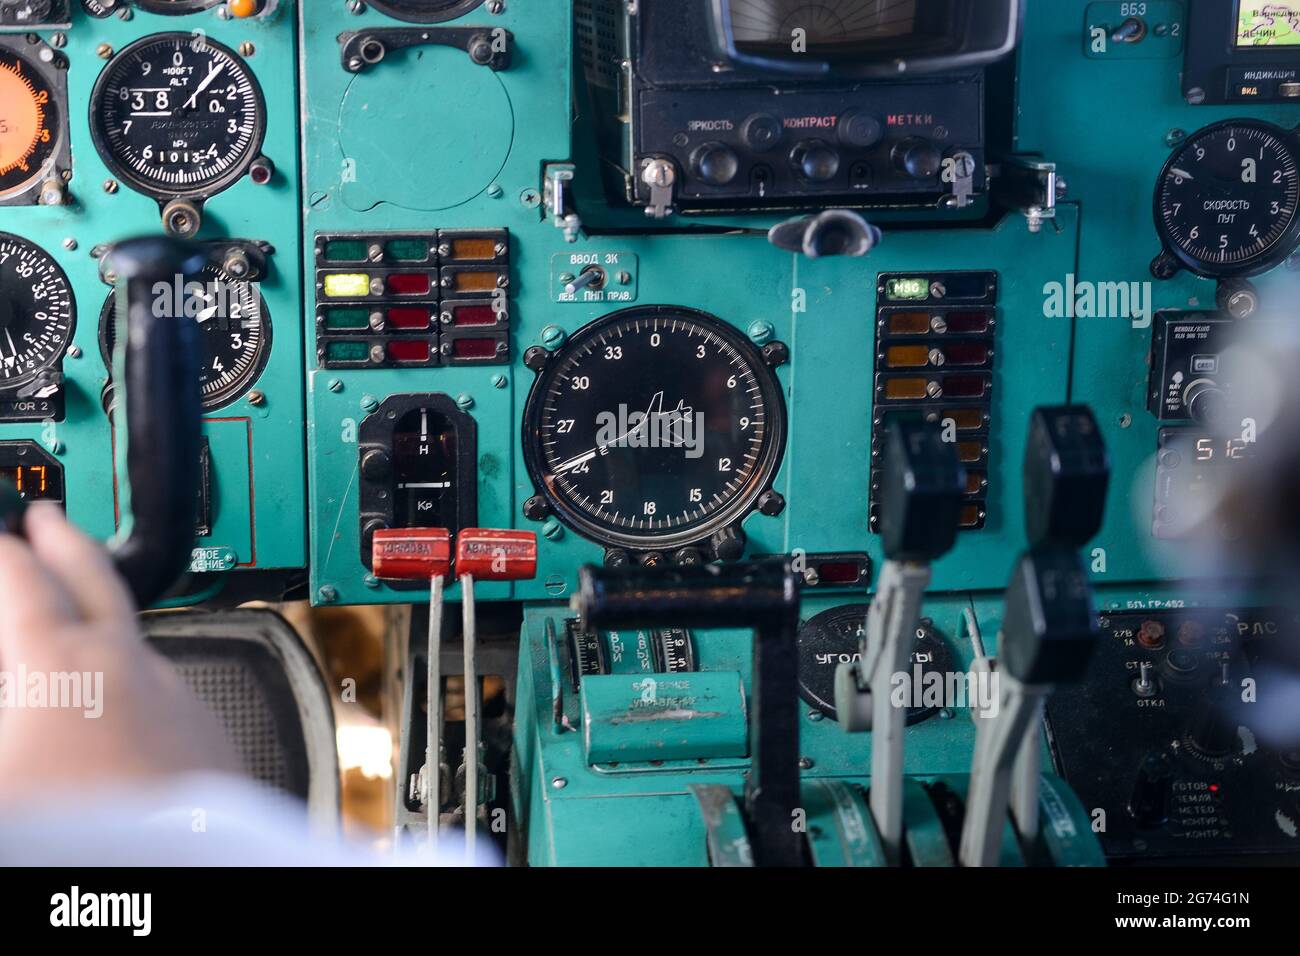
[
  {"x": 178, "y": 114},
  {"x": 37, "y": 312},
  {"x": 29, "y": 123},
  {"x": 1226, "y": 201},
  {"x": 236, "y": 328},
  {"x": 654, "y": 427}
]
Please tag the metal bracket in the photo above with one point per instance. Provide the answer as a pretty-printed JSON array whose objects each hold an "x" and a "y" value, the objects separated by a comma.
[
  {"x": 486, "y": 46},
  {"x": 1029, "y": 185},
  {"x": 556, "y": 181}
]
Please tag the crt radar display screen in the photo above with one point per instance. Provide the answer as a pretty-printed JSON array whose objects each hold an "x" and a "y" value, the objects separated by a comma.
[{"x": 1267, "y": 24}]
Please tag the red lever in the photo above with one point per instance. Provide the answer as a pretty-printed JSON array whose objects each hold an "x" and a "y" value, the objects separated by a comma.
[
  {"x": 411, "y": 554},
  {"x": 488, "y": 554}
]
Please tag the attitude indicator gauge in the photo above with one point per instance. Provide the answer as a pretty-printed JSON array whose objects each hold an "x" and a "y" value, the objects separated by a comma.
[
  {"x": 1226, "y": 201},
  {"x": 178, "y": 115},
  {"x": 654, "y": 428},
  {"x": 37, "y": 320}
]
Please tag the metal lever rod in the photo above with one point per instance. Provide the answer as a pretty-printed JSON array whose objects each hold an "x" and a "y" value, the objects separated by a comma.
[
  {"x": 891, "y": 627},
  {"x": 998, "y": 743}
]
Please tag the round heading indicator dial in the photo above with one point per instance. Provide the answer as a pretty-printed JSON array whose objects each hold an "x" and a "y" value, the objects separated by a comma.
[
  {"x": 178, "y": 114},
  {"x": 1226, "y": 201},
  {"x": 29, "y": 122},
  {"x": 37, "y": 315},
  {"x": 654, "y": 427}
]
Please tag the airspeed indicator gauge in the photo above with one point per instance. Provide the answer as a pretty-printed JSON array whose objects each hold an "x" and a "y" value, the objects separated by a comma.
[{"x": 1226, "y": 201}]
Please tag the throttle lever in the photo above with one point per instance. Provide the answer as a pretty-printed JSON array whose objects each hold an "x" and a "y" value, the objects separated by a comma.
[{"x": 157, "y": 425}]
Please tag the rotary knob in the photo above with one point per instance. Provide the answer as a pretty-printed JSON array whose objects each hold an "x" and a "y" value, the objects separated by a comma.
[
  {"x": 715, "y": 163},
  {"x": 1203, "y": 399},
  {"x": 918, "y": 158},
  {"x": 859, "y": 129},
  {"x": 815, "y": 161},
  {"x": 761, "y": 132}
]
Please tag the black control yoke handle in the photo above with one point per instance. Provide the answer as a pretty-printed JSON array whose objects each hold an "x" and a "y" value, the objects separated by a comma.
[
  {"x": 159, "y": 413},
  {"x": 762, "y": 595}
]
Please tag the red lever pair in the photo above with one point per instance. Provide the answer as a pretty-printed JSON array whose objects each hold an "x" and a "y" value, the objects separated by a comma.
[{"x": 486, "y": 554}]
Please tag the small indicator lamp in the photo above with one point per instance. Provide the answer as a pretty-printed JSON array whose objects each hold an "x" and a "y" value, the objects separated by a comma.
[
  {"x": 347, "y": 285},
  {"x": 244, "y": 8}
]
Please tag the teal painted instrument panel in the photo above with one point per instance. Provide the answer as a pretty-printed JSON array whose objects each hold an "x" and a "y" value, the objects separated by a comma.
[
  {"x": 259, "y": 499},
  {"x": 483, "y": 138}
]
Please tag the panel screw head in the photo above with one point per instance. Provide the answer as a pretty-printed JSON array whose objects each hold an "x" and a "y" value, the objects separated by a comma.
[
  {"x": 558, "y": 783},
  {"x": 257, "y": 398},
  {"x": 369, "y": 403},
  {"x": 370, "y": 581},
  {"x": 553, "y": 337},
  {"x": 499, "y": 380},
  {"x": 104, "y": 51},
  {"x": 111, "y": 187},
  {"x": 760, "y": 333},
  {"x": 336, "y": 385},
  {"x": 464, "y": 401},
  {"x": 327, "y": 594},
  {"x": 552, "y": 530}
]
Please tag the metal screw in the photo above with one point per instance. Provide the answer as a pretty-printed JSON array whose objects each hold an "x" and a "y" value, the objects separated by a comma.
[
  {"x": 530, "y": 198},
  {"x": 494, "y": 191},
  {"x": 257, "y": 398},
  {"x": 624, "y": 278},
  {"x": 1195, "y": 96},
  {"x": 552, "y": 530},
  {"x": 369, "y": 403},
  {"x": 499, "y": 380},
  {"x": 356, "y": 7},
  {"x": 70, "y": 244},
  {"x": 1125, "y": 420},
  {"x": 1174, "y": 137},
  {"x": 335, "y": 385},
  {"x": 553, "y": 337},
  {"x": 659, "y": 173},
  {"x": 558, "y": 783},
  {"x": 933, "y": 389},
  {"x": 104, "y": 51},
  {"x": 74, "y": 352},
  {"x": 805, "y": 763},
  {"x": 111, "y": 187},
  {"x": 327, "y": 594},
  {"x": 816, "y": 716},
  {"x": 60, "y": 40},
  {"x": 496, "y": 7},
  {"x": 370, "y": 581},
  {"x": 464, "y": 401},
  {"x": 760, "y": 333}
]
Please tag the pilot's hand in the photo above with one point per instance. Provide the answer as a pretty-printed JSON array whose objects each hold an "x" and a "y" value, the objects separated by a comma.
[{"x": 84, "y": 702}]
